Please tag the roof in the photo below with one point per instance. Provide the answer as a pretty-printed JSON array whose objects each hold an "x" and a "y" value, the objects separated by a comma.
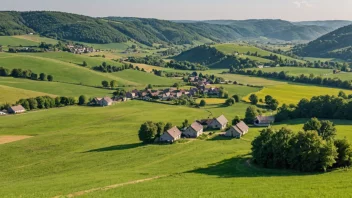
[
  {"x": 107, "y": 99},
  {"x": 196, "y": 126},
  {"x": 222, "y": 120},
  {"x": 237, "y": 129},
  {"x": 265, "y": 119},
  {"x": 17, "y": 108},
  {"x": 242, "y": 126},
  {"x": 174, "y": 132}
]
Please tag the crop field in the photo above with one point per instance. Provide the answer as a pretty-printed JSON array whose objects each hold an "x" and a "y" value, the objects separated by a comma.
[
  {"x": 75, "y": 149},
  {"x": 293, "y": 93},
  {"x": 11, "y": 95}
]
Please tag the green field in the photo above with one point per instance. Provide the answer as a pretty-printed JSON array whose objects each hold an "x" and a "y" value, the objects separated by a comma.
[
  {"x": 144, "y": 78},
  {"x": 54, "y": 88},
  {"x": 11, "y": 95},
  {"x": 13, "y": 41},
  {"x": 293, "y": 93},
  {"x": 82, "y": 148},
  {"x": 244, "y": 48}
]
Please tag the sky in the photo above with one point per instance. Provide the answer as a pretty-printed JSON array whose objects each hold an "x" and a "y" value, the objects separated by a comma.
[{"x": 291, "y": 10}]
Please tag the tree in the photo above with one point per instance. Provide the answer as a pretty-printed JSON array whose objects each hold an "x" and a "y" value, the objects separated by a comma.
[
  {"x": 254, "y": 99},
  {"x": 185, "y": 124},
  {"x": 327, "y": 130},
  {"x": 42, "y": 76},
  {"x": 229, "y": 102},
  {"x": 268, "y": 99},
  {"x": 161, "y": 127},
  {"x": 312, "y": 125},
  {"x": 168, "y": 126},
  {"x": 236, "y": 120},
  {"x": 343, "y": 95},
  {"x": 344, "y": 150},
  {"x": 177, "y": 85},
  {"x": 50, "y": 78},
  {"x": 236, "y": 98},
  {"x": 147, "y": 132},
  {"x": 251, "y": 114},
  {"x": 82, "y": 100},
  {"x": 150, "y": 86},
  {"x": 273, "y": 104},
  {"x": 84, "y": 64},
  {"x": 33, "y": 104},
  {"x": 202, "y": 103},
  {"x": 34, "y": 76},
  {"x": 105, "y": 83},
  {"x": 113, "y": 83}
]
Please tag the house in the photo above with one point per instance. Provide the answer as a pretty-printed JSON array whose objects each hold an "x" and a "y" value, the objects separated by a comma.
[
  {"x": 264, "y": 121},
  {"x": 195, "y": 130},
  {"x": 16, "y": 109},
  {"x": 171, "y": 135},
  {"x": 106, "y": 101},
  {"x": 131, "y": 95},
  {"x": 238, "y": 130},
  {"x": 218, "y": 123},
  {"x": 260, "y": 66},
  {"x": 2, "y": 113}
]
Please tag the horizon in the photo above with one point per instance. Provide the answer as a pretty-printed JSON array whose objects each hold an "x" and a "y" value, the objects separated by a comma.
[{"x": 195, "y": 10}]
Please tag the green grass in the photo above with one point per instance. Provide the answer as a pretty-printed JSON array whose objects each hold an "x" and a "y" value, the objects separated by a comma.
[
  {"x": 296, "y": 71},
  {"x": 13, "y": 41},
  {"x": 81, "y": 148},
  {"x": 145, "y": 78},
  {"x": 38, "y": 39},
  {"x": 54, "y": 88},
  {"x": 11, "y": 95},
  {"x": 244, "y": 48},
  {"x": 62, "y": 71},
  {"x": 293, "y": 93}
]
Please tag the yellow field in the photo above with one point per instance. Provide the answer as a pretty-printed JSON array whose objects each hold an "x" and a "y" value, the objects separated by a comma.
[
  {"x": 212, "y": 101},
  {"x": 293, "y": 93}
]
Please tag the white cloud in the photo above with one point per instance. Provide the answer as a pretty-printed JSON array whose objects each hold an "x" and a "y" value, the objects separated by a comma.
[{"x": 300, "y": 4}]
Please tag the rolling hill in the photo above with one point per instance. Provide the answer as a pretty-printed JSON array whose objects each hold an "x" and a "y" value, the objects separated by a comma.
[
  {"x": 337, "y": 44},
  {"x": 59, "y": 25}
]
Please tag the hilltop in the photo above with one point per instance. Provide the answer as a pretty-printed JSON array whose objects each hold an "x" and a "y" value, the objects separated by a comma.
[
  {"x": 336, "y": 44},
  {"x": 59, "y": 25}
]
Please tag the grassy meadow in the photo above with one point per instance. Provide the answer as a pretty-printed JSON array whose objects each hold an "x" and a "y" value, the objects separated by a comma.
[
  {"x": 11, "y": 95},
  {"x": 82, "y": 148}
]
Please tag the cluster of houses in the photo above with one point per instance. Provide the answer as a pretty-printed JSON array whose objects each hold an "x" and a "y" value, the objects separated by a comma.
[
  {"x": 80, "y": 49},
  {"x": 197, "y": 128},
  {"x": 171, "y": 93},
  {"x": 198, "y": 82},
  {"x": 106, "y": 101}
]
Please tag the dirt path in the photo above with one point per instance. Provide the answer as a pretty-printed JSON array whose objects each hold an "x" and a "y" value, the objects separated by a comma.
[
  {"x": 108, "y": 187},
  {"x": 12, "y": 138}
]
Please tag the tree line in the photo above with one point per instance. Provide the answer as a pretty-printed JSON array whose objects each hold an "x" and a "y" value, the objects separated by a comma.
[
  {"x": 25, "y": 73},
  {"x": 149, "y": 131},
  {"x": 305, "y": 151},
  {"x": 325, "y": 106},
  {"x": 307, "y": 79},
  {"x": 104, "y": 67},
  {"x": 46, "y": 102}
]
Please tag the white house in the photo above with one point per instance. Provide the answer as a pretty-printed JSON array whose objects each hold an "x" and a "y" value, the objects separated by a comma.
[
  {"x": 238, "y": 130},
  {"x": 171, "y": 135},
  {"x": 195, "y": 130},
  {"x": 218, "y": 123}
]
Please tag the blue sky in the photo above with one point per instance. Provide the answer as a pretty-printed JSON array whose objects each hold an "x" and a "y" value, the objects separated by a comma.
[{"x": 293, "y": 10}]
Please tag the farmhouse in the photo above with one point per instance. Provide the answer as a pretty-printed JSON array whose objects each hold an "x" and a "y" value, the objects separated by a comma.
[
  {"x": 131, "y": 95},
  {"x": 264, "y": 121},
  {"x": 16, "y": 109},
  {"x": 194, "y": 130},
  {"x": 171, "y": 135},
  {"x": 238, "y": 130},
  {"x": 106, "y": 101},
  {"x": 218, "y": 123}
]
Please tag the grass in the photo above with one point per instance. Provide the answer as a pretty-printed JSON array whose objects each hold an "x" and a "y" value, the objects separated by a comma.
[
  {"x": 13, "y": 41},
  {"x": 145, "y": 78},
  {"x": 244, "y": 48},
  {"x": 36, "y": 38},
  {"x": 11, "y": 95},
  {"x": 293, "y": 93},
  {"x": 80, "y": 148},
  {"x": 54, "y": 88},
  {"x": 62, "y": 71}
]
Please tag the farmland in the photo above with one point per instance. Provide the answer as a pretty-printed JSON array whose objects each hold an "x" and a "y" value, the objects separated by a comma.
[
  {"x": 11, "y": 95},
  {"x": 86, "y": 145}
]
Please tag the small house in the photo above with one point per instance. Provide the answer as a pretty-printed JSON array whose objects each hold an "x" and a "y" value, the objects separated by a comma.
[
  {"x": 16, "y": 109},
  {"x": 194, "y": 131},
  {"x": 106, "y": 101},
  {"x": 171, "y": 135},
  {"x": 264, "y": 121},
  {"x": 131, "y": 95},
  {"x": 218, "y": 123},
  {"x": 238, "y": 130},
  {"x": 2, "y": 113}
]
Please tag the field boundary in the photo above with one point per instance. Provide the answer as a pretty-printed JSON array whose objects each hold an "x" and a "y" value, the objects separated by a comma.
[{"x": 105, "y": 188}]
